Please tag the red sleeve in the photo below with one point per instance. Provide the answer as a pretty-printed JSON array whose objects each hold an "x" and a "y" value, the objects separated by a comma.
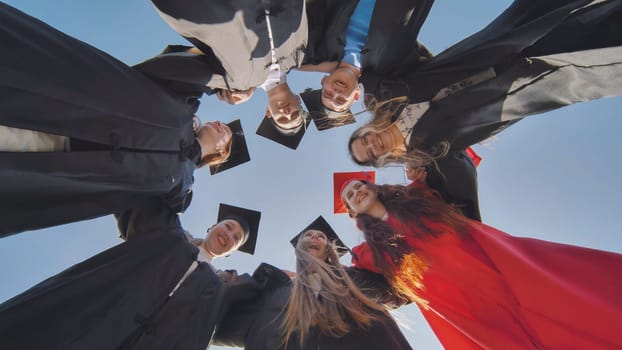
[
  {"x": 417, "y": 184},
  {"x": 363, "y": 258},
  {"x": 474, "y": 156}
]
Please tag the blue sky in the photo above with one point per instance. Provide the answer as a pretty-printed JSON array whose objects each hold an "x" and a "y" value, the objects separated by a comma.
[{"x": 552, "y": 176}]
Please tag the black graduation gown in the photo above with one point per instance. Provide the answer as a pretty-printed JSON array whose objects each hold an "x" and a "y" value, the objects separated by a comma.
[
  {"x": 256, "y": 323},
  {"x": 236, "y": 45},
  {"x": 545, "y": 55},
  {"x": 59, "y": 85},
  {"x": 120, "y": 297},
  {"x": 391, "y": 39}
]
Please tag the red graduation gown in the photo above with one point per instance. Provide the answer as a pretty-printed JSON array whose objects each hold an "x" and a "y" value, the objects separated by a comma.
[{"x": 489, "y": 290}]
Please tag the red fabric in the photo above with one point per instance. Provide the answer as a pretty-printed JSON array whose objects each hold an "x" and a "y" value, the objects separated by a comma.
[
  {"x": 474, "y": 156},
  {"x": 489, "y": 290}
]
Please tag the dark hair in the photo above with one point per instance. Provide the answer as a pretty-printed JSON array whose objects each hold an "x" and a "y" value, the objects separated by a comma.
[{"x": 414, "y": 206}]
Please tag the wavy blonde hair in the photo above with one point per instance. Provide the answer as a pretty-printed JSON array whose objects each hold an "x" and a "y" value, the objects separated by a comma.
[
  {"x": 340, "y": 305},
  {"x": 384, "y": 115}
]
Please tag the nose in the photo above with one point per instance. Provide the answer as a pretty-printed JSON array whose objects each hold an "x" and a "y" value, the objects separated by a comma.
[{"x": 287, "y": 111}]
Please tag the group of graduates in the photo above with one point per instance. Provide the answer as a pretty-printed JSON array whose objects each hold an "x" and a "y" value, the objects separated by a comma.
[{"x": 83, "y": 135}]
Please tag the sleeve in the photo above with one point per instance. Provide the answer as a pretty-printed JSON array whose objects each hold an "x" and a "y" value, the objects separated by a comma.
[
  {"x": 151, "y": 217},
  {"x": 247, "y": 296},
  {"x": 375, "y": 286},
  {"x": 183, "y": 72}
]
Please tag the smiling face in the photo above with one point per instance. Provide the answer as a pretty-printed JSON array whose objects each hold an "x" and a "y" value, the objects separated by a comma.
[
  {"x": 224, "y": 237},
  {"x": 284, "y": 107},
  {"x": 373, "y": 145},
  {"x": 315, "y": 243},
  {"x": 214, "y": 138},
  {"x": 340, "y": 89},
  {"x": 359, "y": 198}
]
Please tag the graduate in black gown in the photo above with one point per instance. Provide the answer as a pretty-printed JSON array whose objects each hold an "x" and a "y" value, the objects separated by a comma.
[
  {"x": 157, "y": 290},
  {"x": 129, "y": 139},
  {"x": 260, "y": 323}
]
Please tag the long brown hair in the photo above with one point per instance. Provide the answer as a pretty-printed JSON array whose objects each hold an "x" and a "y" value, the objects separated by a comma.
[
  {"x": 418, "y": 207},
  {"x": 340, "y": 305},
  {"x": 384, "y": 115}
]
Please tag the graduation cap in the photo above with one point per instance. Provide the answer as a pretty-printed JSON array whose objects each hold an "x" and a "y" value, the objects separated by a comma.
[
  {"x": 339, "y": 179},
  {"x": 324, "y": 118},
  {"x": 248, "y": 219},
  {"x": 320, "y": 224},
  {"x": 239, "y": 149},
  {"x": 287, "y": 137}
]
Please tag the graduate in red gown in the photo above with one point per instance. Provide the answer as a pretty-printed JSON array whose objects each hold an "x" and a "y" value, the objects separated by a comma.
[{"x": 478, "y": 287}]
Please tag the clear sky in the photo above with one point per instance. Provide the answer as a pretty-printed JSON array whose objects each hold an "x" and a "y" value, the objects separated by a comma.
[{"x": 552, "y": 176}]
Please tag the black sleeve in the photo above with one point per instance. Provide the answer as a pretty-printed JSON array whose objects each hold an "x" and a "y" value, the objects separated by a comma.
[
  {"x": 250, "y": 305},
  {"x": 376, "y": 287},
  {"x": 150, "y": 217},
  {"x": 455, "y": 178}
]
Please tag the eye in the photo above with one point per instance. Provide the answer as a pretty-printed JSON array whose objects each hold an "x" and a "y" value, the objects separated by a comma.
[{"x": 364, "y": 139}]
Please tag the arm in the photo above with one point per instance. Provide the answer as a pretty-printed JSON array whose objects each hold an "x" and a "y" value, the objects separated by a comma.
[
  {"x": 376, "y": 287},
  {"x": 150, "y": 216},
  {"x": 252, "y": 305}
]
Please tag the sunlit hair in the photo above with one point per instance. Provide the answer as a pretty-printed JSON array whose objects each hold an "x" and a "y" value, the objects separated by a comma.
[
  {"x": 384, "y": 115},
  {"x": 326, "y": 122},
  {"x": 217, "y": 158},
  {"x": 414, "y": 206},
  {"x": 340, "y": 305}
]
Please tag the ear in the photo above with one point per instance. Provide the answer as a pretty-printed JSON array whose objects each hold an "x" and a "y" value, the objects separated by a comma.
[
  {"x": 352, "y": 214},
  {"x": 323, "y": 79},
  {"x": 268, "y": 114}
]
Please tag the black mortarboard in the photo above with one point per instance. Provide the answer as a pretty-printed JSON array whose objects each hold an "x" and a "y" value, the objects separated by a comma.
[
  {"x": 323, "y": 117},
  {"x": 248, "y": 219},
  {"x": 321, "y": 225},
  {"x": 239, "y": 149},
  {"x": 288, "y": 138}
]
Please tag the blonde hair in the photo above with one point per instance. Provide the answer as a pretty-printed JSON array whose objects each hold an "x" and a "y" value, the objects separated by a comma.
[
  {"x": 340, "y": 305},
  {"x": 217, "y": 158},
  {"x": 383, "y": 118}
]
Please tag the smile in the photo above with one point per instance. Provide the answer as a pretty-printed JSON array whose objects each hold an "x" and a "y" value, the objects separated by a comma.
[{"x": 222, "y": 240}]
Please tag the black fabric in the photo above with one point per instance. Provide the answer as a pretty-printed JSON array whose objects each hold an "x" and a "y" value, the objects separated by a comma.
[
  {"x": 59, "y": 85},
  {"x": 214, "y": 67},
  {"x": 392, "y": 36},
  {"x": 120, "y": 297},
  {"x": 223, "y": 11},
  {"x": 455, "y": 178},
  {"x": 256, "y": 323},
  {"x": 181, "y": 70},
  {"x": 523, "y": 85},
  {"x": 564, "y": 70}
]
